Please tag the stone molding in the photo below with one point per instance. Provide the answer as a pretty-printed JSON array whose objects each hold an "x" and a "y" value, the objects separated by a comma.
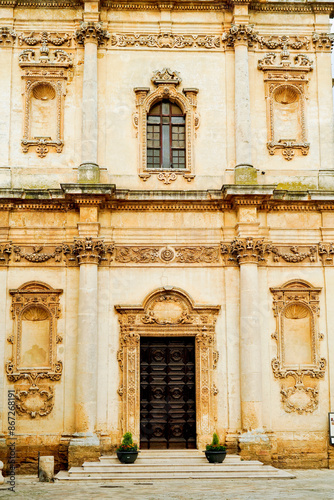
[
  {"x": 172, "y": 307},
  {"x": 34, "y": 298},
  {"x": 166, "y": 83},
  {"x": 298, "y": 294},
  {"x": 166, "y": 41},
  {"x": 90, "y": 32}
]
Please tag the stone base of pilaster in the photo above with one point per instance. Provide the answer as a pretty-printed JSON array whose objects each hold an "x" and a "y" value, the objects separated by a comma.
[
  {"x": 245, "y": 174},
  {"x": 256, "y": 445},
  {"x": 88, "y": 173},
  {"x": 83, "y": 447},
  {"x": 232, "y": 441}
]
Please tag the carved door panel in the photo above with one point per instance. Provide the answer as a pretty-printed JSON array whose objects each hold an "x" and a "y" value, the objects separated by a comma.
[{"x": 167, "y": 392}]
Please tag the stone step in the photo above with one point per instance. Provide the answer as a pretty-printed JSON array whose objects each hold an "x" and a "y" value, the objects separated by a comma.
[{"x": 170, "y": 464}]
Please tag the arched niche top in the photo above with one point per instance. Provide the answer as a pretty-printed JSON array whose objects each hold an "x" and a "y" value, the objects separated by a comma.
[
  {"x": 168, "y": 306},
  {"x": 296, "y": 284},
  {"x": 35, "y": 286}
]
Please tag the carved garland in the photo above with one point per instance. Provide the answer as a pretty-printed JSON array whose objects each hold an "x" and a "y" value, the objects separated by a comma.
[
  {"x": 166, "y": 82},
  {"x": 173, "y": 308},
  {"x": 37, "y": 301},
  {"x": 302, "y": 298}
]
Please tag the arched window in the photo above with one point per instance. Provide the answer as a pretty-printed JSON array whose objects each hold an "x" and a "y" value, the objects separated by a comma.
[{"x": 166, "y": 146}]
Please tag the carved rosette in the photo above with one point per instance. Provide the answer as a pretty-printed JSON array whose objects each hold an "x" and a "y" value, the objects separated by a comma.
[
  {"x": 297, "y": 300},
  {"x": 170, "y": 308},
  {"x": 91, "y": 32},
  {"x": 166, "y": 83},
  {"x": 86, "y": 251}
]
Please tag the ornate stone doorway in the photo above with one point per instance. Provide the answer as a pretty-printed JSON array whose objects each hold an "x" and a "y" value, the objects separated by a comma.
[
  {"x": 167, "y": 392},
  {"x": 168, "y": 312}
]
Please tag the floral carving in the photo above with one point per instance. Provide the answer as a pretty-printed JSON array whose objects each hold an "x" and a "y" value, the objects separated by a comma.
[
  {"x": 139, "y": 255},
  {"x": 192, "y": 255},
  {"x": 34, "y": 401},
  {"x": 165, "y": 41},
  {"x": 91, "y": 32}
]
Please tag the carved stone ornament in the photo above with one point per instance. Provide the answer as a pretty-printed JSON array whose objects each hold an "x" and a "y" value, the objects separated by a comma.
[
  {"x": 240, "y": 34},
  {"x": 44, "y": 82},
  {"x": 326, "y": 252},
  {"x": 7, "y": 37},
  {"x": 87, "y": 251},
  {"x": 166, "y": 41},
  {"x": 91, "y": 32},
  {"x": 37, "y": 255},
  {"x": 175, "y": 255},
  {"x": 35, "y": 310},
  {"x": 34, "y": 401},
  {"x": 5, "y": 252},
  {"x": 166, "y": 83},
  {"x": 246, "y": 250},
  {"x": 285, "y": 77},
  {"x": 45, "y": 38},
  {"x": 296, "y": 309},
  {"x": 294, "y": 255},
  {"x": 172, "y": 308},
  {"x": 323, "y": 41}
]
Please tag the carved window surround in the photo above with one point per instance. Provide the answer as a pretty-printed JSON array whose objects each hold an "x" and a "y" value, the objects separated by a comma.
[
  {"x": 166, "y": 83},
  {"x": 288, "y": 77},
  {"x": 297, "y": 299},
  {"x": 168, "y": 312},
  {"x": 44, "y": 79},
  {"x": 35, "y": 298}
]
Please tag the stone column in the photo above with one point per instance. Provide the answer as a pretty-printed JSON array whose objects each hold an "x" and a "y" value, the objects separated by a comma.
[
  {"x": 239, "y": 37},
  {"x": 85, "y": 443},
  {"x": 91, "y": 35},
  {"x": 248, "y": 252}
]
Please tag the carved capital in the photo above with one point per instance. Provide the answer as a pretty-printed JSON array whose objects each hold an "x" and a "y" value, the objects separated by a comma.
[
  {"x": 246, "y": 250},
  {"x": 7, "y": 37},
  {"x": 86, "y": 251},
  {"x": 5, "y": 252},
  {"x": 323, "y": 41},
  {"x": 91, "y": 33},
  {"x": 240, "y": 34}
]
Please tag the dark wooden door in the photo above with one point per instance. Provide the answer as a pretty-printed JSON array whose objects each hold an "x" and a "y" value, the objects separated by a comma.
[{"x": 167, "y": 392}]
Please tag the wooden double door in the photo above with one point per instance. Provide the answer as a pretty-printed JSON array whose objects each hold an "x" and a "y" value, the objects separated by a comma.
[{"x": 167, "y": 392}]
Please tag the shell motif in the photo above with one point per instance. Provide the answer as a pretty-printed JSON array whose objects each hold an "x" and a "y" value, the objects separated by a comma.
[
  {"x": 296, "y": 311},
  {"x": 44, "y": 92},
  {"x": 286, "y": 95}
]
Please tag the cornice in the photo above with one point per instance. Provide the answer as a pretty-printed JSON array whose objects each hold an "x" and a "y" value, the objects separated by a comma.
[
  {"x": 38, "y": 4},
  {"x": 300, "y": 7}
]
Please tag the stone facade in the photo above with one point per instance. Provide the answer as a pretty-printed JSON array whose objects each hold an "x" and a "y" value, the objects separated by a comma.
[{"x": 234, "y": 249}]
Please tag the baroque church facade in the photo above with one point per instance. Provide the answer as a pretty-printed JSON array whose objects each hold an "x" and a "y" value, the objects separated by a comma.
[{"x": 166, "y": 227}]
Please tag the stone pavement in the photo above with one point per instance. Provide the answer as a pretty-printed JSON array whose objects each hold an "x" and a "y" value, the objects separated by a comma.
[{"x": 308, "y": 485}]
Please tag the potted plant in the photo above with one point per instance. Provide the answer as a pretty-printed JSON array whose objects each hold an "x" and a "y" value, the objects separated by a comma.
[
  {"x": 127, "y": 452},
  {"x": 215, "y": 452}
]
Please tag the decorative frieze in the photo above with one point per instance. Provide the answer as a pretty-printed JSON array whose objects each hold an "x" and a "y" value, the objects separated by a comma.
[
  {"x": 296, "y": 309},
  {"x": 37, "y": 255},
  {"x": 157, "y": 254},
  {"x": 166, "y": 41},
  {"x": 294, "y": 255},
  {"x": 91, "y": 32}
]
